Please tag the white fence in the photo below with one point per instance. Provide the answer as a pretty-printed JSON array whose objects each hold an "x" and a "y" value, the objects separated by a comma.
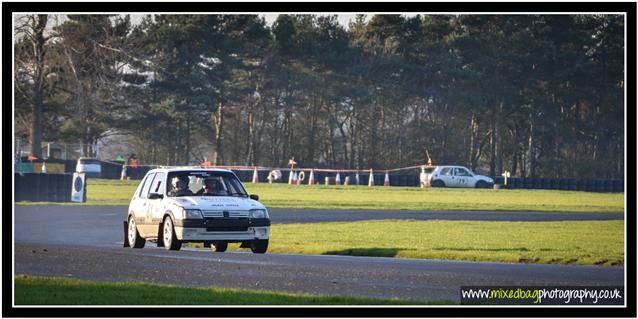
[{"x": 63, "y": 151}]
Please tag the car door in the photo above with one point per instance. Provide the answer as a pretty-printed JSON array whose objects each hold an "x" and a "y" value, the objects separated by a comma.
[
  {"x": 140, "y": 206},
  {"x": 447, "y": 176},
  {"x": 155, "y": 206},
  {"x": 463, "y": 178}
]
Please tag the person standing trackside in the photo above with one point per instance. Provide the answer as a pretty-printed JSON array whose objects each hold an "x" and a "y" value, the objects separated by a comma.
[{"x": 131, "y": 166}]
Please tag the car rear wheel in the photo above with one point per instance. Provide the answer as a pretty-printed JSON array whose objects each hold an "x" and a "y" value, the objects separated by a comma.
[
  {"x": 259, "y": 246},
  {"x": 170, "y": 240},
  {"x": 438, "y": 183},
  {"x": 134, "y": 238},
  {"x": 219, "y": 246}
]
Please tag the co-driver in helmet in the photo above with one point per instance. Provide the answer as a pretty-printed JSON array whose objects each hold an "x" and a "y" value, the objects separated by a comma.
[{"x": 180, "y": 187}]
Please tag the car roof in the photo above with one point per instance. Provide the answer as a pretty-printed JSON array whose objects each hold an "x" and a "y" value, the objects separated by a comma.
[
  {"x": 454, "y": 166},
  {"x": 191, "y": 168}
]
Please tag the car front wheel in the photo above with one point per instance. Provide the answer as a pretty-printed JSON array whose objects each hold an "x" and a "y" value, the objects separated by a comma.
[
  {"x": 134, "y": 238},
  {"x": 259, "y": 246},
  {"x": 170, "y": 240},
  {"x": 481, "y": 184},
  {"x": 219, "y": 246}
]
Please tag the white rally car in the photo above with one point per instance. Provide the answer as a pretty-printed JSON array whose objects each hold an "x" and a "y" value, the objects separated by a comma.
[
  {"x": 176, "y": 205},
  {"x": 458, "y": 176}
]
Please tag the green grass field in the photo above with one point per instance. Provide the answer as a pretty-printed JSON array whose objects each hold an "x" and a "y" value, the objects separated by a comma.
[
  {"x": 568, "y": 242},
  {"x": 35, "y": 290},
  {"x": 115, "y": 192}
]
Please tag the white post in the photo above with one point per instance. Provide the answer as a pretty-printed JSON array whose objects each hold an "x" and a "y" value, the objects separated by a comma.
[
  {"x": 506, "y": 174},
  {"x": 371, "y": 179}
]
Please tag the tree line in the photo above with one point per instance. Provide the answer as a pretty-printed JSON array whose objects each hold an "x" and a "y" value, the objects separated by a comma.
[{"x": 538, "y": 95}]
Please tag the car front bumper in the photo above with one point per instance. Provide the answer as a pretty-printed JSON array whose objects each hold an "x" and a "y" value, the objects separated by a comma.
[
  {"x": 201, "y": 234},
  {"x": 226, "y": 229}
]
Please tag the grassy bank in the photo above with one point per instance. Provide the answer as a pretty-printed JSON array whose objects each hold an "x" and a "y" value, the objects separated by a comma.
[
  {"x": 114, "y": 192},
  {"x": 35, "y": 290},
  {"x": 569, "y": 242}
]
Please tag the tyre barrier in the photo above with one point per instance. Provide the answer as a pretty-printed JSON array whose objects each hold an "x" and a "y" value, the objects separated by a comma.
[
  {"x": 43, "y": 187},
  {"x": 113, "y": 171},
  {"x": 566, "y": 184}
]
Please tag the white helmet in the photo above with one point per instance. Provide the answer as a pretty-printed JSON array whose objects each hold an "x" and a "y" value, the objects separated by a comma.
[{"x": 176, "y": 179}]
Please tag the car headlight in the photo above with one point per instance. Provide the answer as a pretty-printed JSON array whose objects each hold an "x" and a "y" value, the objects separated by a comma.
[
  {"x": 258, "y": 213},
  {"x": 192, "y": 214}
]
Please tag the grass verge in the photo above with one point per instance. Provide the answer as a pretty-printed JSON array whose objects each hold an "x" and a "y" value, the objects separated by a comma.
[
  {"x": 115, "y": 192},
  {"x": 566, "y": 242},
  {"x": 37, "y": 290}
]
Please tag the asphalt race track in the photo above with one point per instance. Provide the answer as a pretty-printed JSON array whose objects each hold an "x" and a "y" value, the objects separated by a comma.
[{"x": 86, "y": 242}]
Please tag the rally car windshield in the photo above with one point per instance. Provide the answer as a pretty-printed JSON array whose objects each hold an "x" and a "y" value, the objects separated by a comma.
[{"x": 206, "y": 183}]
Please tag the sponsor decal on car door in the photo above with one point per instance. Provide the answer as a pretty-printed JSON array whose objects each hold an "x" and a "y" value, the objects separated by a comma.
[{"x": 462, "y": 178}]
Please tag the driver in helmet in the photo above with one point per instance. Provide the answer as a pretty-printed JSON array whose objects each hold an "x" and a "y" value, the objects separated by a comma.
[
  {"x": 211, "y": 187},
  {"x": 180, "y": 187}
]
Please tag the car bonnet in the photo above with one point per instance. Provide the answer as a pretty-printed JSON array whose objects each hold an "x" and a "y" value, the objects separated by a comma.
[{"x": 216, "y": 203}]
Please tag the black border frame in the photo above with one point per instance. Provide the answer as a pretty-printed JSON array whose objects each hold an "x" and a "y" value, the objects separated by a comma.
[{"x": 629, "y": 8}]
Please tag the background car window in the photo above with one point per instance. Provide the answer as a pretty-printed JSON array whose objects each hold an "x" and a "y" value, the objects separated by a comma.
[
  {"x": 460, "y": 172},
  {"x": 464, "y": 172},
  {"x": 147, "y": 184},
  {"x": 86, "y": 161},
  {"x": 158, "y": 182},
  {"x": 446, "y": 171}
]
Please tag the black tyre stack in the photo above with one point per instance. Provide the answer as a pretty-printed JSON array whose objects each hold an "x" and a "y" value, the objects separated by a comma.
[{"x": 43, "y": 187}]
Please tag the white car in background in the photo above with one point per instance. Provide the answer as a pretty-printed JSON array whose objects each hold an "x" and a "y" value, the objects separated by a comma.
[
  {"x": 92, "y": 167},
  {"x": 458, "y": 176},
  {"x": 192, "y": 215}
]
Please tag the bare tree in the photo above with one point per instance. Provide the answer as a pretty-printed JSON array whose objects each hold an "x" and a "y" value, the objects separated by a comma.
[{"x": 31, "y": 69}]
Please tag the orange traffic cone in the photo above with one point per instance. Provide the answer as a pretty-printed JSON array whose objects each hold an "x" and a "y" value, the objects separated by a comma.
[
  {"x": 311, "y": 179},
  {"x": 338, "y": 179},
  {"x": 371, "y": 179},
  {"x": 386, "y": 181},
  {"x": 255, "y": 176}
]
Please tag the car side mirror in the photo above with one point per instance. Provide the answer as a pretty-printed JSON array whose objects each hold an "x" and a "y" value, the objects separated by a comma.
[
  {"x": 155, "y": 196},
  {"x": 254, "y": 197}
]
